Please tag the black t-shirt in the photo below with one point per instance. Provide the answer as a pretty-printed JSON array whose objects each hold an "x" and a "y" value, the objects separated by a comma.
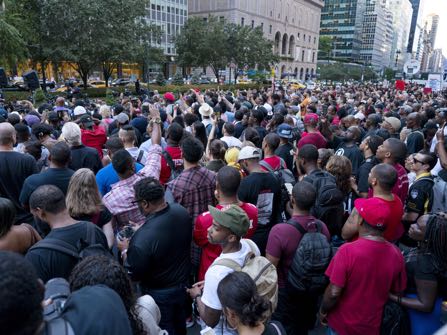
[
  {"x": 215, "y": 165},
  {"x": 15, "y": 167},
  {"x": 285, "y": 151},
  {"x": 420, "y": 196},
  {"x": 363, "y": 173},
  {"x": 51, "y": 263},
  {"x": 85, "y": 157},
  {"x": 421, "y": 266},
  {"x": 159, "y": 252},
  {"x": 52, "y": 176},
  {"x": 274, "y": 328},
  {"x": 239, "y": 129},
  {"x": 353, "y": 153},
  {"x": 415, "y": 141},
  {"x": 262, "y": 132}
]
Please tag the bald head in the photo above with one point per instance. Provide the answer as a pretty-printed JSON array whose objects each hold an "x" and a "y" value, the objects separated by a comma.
[
  {"x": 386, "y": 176},
  {"x": 7, "y": 134}
]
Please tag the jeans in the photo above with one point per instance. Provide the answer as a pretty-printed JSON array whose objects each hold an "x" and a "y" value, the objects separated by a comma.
[{"x": 171, "y": 302}]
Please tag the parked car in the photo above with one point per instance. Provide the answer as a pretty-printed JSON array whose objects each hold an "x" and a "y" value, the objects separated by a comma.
[
  {"x": 97, "y": 83},
  {"x": 121, "y": 82}
]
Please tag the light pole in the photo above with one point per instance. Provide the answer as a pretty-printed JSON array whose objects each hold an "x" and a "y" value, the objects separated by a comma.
[{"x": 397, "y": 58}]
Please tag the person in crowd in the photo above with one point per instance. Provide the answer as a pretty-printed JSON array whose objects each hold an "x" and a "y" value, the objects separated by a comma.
[
  {"x": 415, "y": 140},
  {"x": 172, "y": 154},
  {"x": 271, "y": 161},
  {"x": 260, "y": 188},
  {"x": 92, "y": 135},
  {"x": 199, "y": 132},
  {"x": 151, "y": 247},
  {"x": 84, "y": 202},
  {"x": 426, "y": 268},
  {"x": 312, "y": 135},
  {"x": 382, "y": 179},
  {"x": 107, "y": 176},
  {"x": 17, "y": 238},
  {"x": 255, "y": 121},
  {"x": 58, "y": 173},
  {"x": 340, "y": 167},
  {"x": 120, "y": 201},
  {"x": 228, "y": 180},
  {"x": 420, "y": 196},
  {"x": 354, "y": 278},
  {"x": 297, "y": 312},
  {"x": 81, "y": 155},
  {"x": 22, "y": 135},
  {"x": 243, "y": 308},
  {"x": 372, "y": 124},
  {"x": 393, "y": 125},
  {"x": 369, "y": 148},
  {"x": 285, "y": 150},
  {"x": 393, "y": 151},
  {"x": 194, "y": 187},
  {"x": 228, "y": 227},
  {"x": 349, "y": 148},
  {"x": 228, "y": 137},
  {"x": 216, "y": 155},
  {"x": 47, "y": 203},
  {"x": 324, "y": 155},
  {"x": 127, "y": 135},
  {"x": 15, "y": 167}
]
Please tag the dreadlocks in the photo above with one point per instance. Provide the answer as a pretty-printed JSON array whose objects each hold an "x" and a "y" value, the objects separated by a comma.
[{"x": 436, "y": 239}]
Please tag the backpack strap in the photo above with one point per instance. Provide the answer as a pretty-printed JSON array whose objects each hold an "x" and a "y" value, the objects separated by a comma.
[
  {"x": 304, "y": 231},
  {"x": 140, "y": 156},
  {"x": 282, "y": 164},
  {"x": 59, "y": 326},
  {"x": 229, "y": 263},
  {"x": 273, "y": 324},
  {"x": 90, "y": 238},
  {"x": 57, "y": 245},
  {"x": 266, "y": 165}
]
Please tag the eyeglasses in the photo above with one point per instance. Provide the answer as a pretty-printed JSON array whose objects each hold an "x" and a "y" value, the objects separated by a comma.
[
  {"x": 136, "y": 201},
  {"x": 418, "y": 161}
]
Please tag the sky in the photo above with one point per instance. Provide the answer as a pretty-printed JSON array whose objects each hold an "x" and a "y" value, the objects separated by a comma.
[{"x": 439, "y": 7}]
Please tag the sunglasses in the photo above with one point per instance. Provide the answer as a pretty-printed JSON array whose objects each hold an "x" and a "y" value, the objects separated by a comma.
[{"x": 418, "y": 161}]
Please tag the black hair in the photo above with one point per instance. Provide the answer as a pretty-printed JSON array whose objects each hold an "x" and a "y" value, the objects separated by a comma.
[
  {"x": 383, "y": 133},
  {"x": 22, "y": 132},
  {"x": 102, "y": 270},
  {"x": 41, "y": 129},
  {"x": 178, "y": 120},
  {"x": 13, "y": 118},
  {"x": 238, "y": 292},
  {"x": 257, "y": 115},
  {"x": 48, "y": 198},
  {"x": 114, "y": 144},
  {"x": 272, "y": 140},
  {"x": 430, "y": 158},
  {"x": 229, "y": 180},
  {"x": 192, "y": 149},
  {"x": 34, "y": 148},
  {"x": 239, "y": 115},
  {"x": 60, "y": 153},
  {"x": 252, "y": 135},
  {"x": 190, "y": 119},
  {"x": 21, "y": 295},
  {"x": 218, "y": 149},
  {"x": 308, "y": 152},
  {"x": 149, "y": 189},
  {"x": 229, "y": 128},
  {"x": 386, "y": 175},
  {"x": 398, "y": 149},
  {"x": 122, "y": 161},
  {"x": 436, "y": 238},
  {"x": 200, "y": 132},
  {"x": 7, "y": 215},
  {"x": 175, "y": 132},
  {"x": 374, "y": 142},
  {"x": 304, "y": 194}
]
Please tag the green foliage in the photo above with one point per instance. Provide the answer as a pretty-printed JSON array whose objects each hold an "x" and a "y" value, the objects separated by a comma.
[
  {"x": 388, "y": 73},
  {"x": 110, "y": 99},
  {"x": 325, "y": 46},
  {"x": 160, "y": 79},
  {"x": 343, "y": 72},
  {"x": 13, "y": 47},
  {"x": 178, "y": 79},
  {"x": 39, "y": 97}
]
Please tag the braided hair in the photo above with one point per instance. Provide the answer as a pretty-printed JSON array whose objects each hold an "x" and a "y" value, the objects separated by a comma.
[{"x": 436, "y": 240}]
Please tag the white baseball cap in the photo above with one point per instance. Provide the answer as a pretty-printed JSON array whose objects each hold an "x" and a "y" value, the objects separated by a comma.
[
  {"x": 79, "y": 110},
  {"x": 248, "y": 153}
]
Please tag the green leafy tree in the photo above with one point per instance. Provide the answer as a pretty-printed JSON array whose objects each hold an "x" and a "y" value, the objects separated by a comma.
[
  {"x": 388, "y": 73},
  {"x": 177, "y": 79},
  {"x": 160, "y": 79},
  {"x": 13, "y": 46},
  {"x": 325, "y": 46}
]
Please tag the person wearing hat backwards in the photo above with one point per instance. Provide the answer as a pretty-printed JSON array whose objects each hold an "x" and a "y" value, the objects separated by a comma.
[
  {"x": 393, "y": 125},
  {"x": 228, "y": 227},
  {"x": 362, "y": 274},
  {"x": 285, "y": 149}
]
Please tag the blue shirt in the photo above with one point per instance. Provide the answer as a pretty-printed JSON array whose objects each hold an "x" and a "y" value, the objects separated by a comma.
[{"x": 107, "y": 176}]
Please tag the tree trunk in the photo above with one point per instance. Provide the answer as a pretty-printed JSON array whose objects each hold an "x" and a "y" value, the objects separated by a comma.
[
  {"x": 119, "y": 70},
  {"x": 107, "y": 69},
  {"x": 216, "y": 71},
  {"x": 43, "y": 66},
  {"x": 236, "y": 74}
]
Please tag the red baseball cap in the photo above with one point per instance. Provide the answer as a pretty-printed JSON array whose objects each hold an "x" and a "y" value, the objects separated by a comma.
[
  {"x": 373, "y": 211},
  {"x": 169, "y": 96},
  {"x": 311, "y": 118}
]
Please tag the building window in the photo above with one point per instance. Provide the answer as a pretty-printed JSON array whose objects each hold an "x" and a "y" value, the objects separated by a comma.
[
  {"x": 315, "y": 40},
  {"x": 270, "y": 29},
  {"x": 309, "y": 39},
  {"x": 221, "y": 18},
  {"x": 302, "y": 56},
  {"x": 313, "y": 57},
  {"x": 304, "y": 37},
  {"x": 262, "y": 26},
  {"x": 298, "y": 36},
  {"x": 242, "y": 21}
]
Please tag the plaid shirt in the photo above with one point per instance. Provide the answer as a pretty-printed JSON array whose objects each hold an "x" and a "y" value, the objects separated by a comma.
[
  {"x": 119, "y": 200},
  {"x": 194, "y": 190}
]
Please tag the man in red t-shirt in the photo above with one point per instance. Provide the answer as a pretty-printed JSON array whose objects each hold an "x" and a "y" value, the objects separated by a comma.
[
  {"x": 382, "y": 179},
  {"x": 92, "y": 135},
  {"x": 269, "y": 145},
  {"x": 312, "y": 135},
  {"x": 362, "y": 274},
  {"x": 173, "y": 137},
  {"x": 296, "y": 313},
  {"x": 227, "y": 185}
]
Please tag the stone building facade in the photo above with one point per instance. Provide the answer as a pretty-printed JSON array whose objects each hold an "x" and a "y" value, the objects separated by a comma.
[{"x": 292, "y": 25}]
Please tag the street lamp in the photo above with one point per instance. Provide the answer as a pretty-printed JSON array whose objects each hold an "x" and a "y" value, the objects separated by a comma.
[{"x": 397, "y": 57}]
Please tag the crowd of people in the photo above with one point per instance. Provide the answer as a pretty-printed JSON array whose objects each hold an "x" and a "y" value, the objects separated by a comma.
[{"x": 261, "y": 211}]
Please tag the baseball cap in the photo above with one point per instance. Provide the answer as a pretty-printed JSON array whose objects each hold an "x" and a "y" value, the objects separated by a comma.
[
  {"x": 31, "y": 120},
  {"x": 359, "y": 116},
  {"x": 284, "y": 130},
  {"x": 86, "y": 120},
  {"x": 205, "y": 110},
  {"x": 231, "y": 217},
  {"x": 373, "y": 212},
  {"x": 169, "y": 96},
  {"x": 249, "y": 152},
  {"x": 122, "y": 118},
  {"x": 311, "y": 118},
  {"x": 79, "y": 110},
  {"x": 394, "y": 122}
]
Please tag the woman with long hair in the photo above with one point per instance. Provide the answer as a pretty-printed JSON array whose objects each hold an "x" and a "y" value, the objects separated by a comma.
[
  {"x": 243, "y": 308},
  {"x": 199, "y": 132},
  {"x": 84, "y": 202}
]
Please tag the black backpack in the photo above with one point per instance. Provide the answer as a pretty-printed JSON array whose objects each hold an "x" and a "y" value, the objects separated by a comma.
[
  {"x": 284, "y": 176},
  {"x": 84, "y": 248},
  {"x": 395, "y": 320},
  {"x": 175, "y": 171},
  {"x": 329, "y": 205},
  {"x": 312, "y": 257}
]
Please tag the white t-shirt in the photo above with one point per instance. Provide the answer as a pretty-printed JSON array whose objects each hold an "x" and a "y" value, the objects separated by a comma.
[
  {"x": 231, "y": 141},
  {"x": 213, "y": 277},
  {"x": 135, "y": 152}
]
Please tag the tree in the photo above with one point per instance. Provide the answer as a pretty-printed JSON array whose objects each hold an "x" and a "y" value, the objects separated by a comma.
[
  {"x": 177, "y": 79},
  {"x": 325, "y": 46},
  {"x": 147, "y": 54},
  {"x": 160, "y": 80},
  {"x": 13, "y": 47},
  {"x": 388, "y": 73},
  {"x": 195, "y": 79}
]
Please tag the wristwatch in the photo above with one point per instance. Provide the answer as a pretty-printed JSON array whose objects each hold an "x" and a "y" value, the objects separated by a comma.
[{"x": 157, "y": 121}]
